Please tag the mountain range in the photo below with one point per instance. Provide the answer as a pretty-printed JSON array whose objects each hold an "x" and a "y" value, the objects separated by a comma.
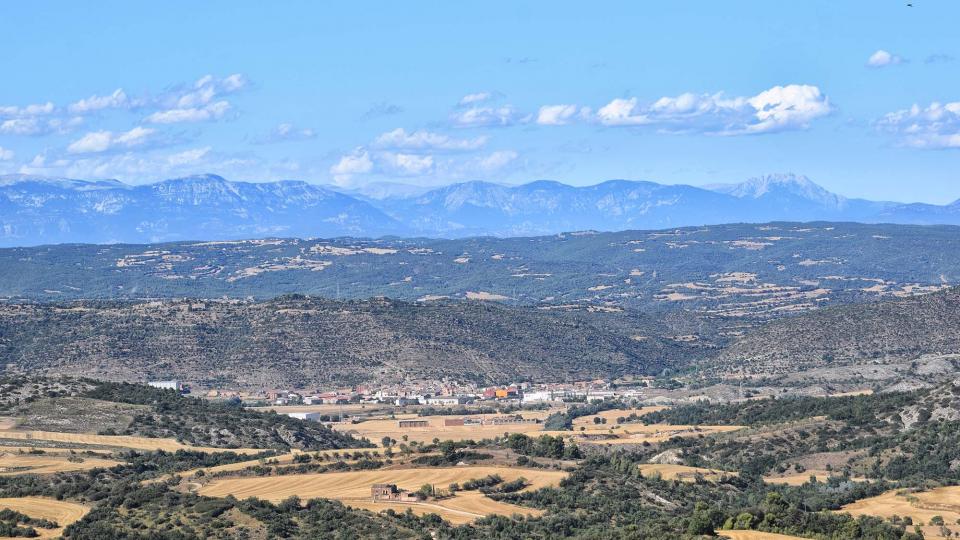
[{"x": 38, "y": 210}]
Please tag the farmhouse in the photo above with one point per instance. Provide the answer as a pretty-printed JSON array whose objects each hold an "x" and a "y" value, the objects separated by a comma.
[
  {"x": 413, "y": 423},
  {"x": 390, "y": 492}
]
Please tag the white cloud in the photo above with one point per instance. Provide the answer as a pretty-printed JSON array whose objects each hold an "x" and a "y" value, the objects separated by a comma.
[
  {"x": 779, "y": 108},
  {"x": 882, "y": 58},
  {"x": 472, "y": 99},
  {"x": 556, "y": 115},
  {"x": 504, "y": 115},
  {"x": 358, "y": 162},
  {"x": 406, "y": 164},
  {"x": 212, "y": 111},
  {"x": 936, "y": 126},
  {"x": 102, "y": 141},
  {"x": 117, "y": 100},
  {"x": 38, "y": 109},
  {"x": 421, "y": 140},
  {"x": 787, "y": 107},
  {"x": 200, "y": 102},
  {"x": 6, "y": 154}
]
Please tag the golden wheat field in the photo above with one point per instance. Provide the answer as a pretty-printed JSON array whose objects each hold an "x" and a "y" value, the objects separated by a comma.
[
  {"x": 12, "y": 464},
  {"x": 353, "y": 488},
  {"x": 802, "y": 478},
  {"x": 683, "y": 472},
  {"x": 755, "y": 535},
  {"x": 63, "y": 512},
  {"x": 118, "y": 441},
  {"x": 921, "y": 507}
]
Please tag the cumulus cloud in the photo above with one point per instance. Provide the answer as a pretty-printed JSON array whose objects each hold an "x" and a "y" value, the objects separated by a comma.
[
  {"x": 426, "y": 140},
  {"x": 117, "y": 100},
  {"x": 936, "y": 126},
  {"x": 358, "y": 162},
  {"x": 882, "y": 58},
  {"x": 201, "y": 102},
  {"x": 35, "y": 119},
  {"x": 777, "y": 109},
  {"x": 102, "y": 141},
  {"x": 405, "y": 164},
  {"x": 473, "y": 99},
  {"x": 188, "y": 157},
  {"x": 504, "y": 115},
  {"x": 556, "y": 115},
  {"x": 213, "y": 111},
  {"x": 6, "y": 154}
]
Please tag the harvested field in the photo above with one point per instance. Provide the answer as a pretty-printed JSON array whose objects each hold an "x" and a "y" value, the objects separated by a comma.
[
  {"x": 920, "y": 506},
  {"x": 683, "y": 472},
  {"x": 63, "y": 512},
  {"x": 639, "y": 433},
  {"x": 375, "y": 430},
  {"x": 117, "y": 441},
  {"x": 12, "y": 464},
  {"x": 353, "y": 488},
  {"x": 612, "y": 415},
  {"x": 802, "y": 478},
  {"x": 755, "y": 535}
]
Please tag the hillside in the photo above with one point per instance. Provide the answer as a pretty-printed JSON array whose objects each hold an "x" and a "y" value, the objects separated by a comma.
[
  {"x": 736, "y": 271},
  {"x": 37, "y": 210},
  {"x": 877, "y": 333},
  {"x": 301, "y": 342},
  {"x": 84, "y": 405}
]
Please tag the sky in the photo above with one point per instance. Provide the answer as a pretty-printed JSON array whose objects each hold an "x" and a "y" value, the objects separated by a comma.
[{"x": 863, "y": 97}]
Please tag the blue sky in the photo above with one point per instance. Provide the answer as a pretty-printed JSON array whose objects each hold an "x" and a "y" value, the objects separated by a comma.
[{"x": 862, "y": 97}]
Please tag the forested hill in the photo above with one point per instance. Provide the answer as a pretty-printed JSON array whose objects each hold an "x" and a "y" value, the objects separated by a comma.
[
  {"x": 297, "y": 341},
  {"x": 874, "y": 333},
  {"x": 729, "y": 271}
]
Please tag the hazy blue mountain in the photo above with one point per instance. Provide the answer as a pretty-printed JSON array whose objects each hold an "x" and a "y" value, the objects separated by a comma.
[{"x": 36, "y": 210}]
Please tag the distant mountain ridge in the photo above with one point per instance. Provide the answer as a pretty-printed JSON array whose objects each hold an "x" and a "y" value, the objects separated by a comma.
[{"x": 37, "y": 210}]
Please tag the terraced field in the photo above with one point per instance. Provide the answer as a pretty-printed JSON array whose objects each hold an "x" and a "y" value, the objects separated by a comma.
[
  {"x": 12, "y": 464},
  {"x": 42, "y": 438},
  {"x": 920, "y": 506},
  {"x": 353, "y": 489},
  {"x": 62, "y": 512}
]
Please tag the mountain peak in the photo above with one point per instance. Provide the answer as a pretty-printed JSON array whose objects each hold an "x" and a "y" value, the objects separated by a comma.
[{"x": 782, "y": 185}]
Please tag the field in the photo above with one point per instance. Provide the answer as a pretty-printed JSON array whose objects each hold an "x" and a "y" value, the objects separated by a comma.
[
  {"x": 611, "y": 416},
  {"x": 64, "y": 513},
  {"x": 754, "y": 535},
  {"x": 12, "y": 464},
  {"x": 353, "y": 489},
  {"x": 375, "y": 430},
  {"x": 921, "y": 507},
  {"x": 802, "y": 478},
  {"x": 683, "y": 472},
  {"x": 639, "y": 433},
  {"x": 42, "y": 438}
]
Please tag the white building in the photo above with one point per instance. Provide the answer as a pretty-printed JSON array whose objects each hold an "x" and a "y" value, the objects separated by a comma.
[
  {"x": 537, "y": 397},
  {"x": 166, "y": 385},
  {"x": 311, "y": 416}
]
